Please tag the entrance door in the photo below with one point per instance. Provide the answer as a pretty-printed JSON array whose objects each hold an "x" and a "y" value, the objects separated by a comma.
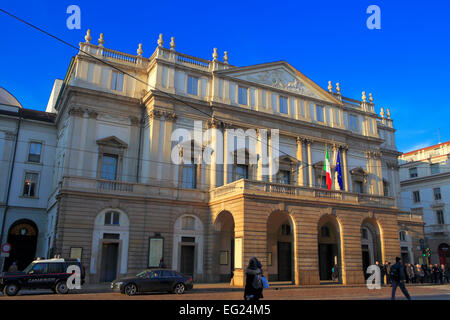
[
  {"x": 187, "y": 260},
  {"x": 110, "y": 253},
  {"x": 23, "y": 239},
  {"x": 284, "y": 261},
  {"x": 326, "y": 262},
  {"x": 365, "y": 260}
]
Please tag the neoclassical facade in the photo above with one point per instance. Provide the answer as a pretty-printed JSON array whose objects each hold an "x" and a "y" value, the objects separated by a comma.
[{"x": 121, "y": 203}]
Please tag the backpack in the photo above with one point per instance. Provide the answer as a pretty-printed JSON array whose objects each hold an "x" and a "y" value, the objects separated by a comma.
[{"x": 257, "y": 282}]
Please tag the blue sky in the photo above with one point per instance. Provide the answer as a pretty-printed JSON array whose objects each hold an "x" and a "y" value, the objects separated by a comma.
[{"x": 405, "y": 64}]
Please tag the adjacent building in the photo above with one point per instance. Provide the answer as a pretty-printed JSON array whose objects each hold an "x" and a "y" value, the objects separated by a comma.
[
  {"x": 27, "y": 145},
  {"x": 425, "y": 186}
]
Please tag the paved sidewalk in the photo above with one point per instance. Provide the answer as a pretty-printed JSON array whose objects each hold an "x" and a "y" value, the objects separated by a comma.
[{"x": 225, "y": 287}]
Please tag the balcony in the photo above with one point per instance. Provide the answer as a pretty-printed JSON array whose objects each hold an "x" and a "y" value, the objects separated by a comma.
[
  {"x": 130, "y": 189},
  {"x": 269, "y": 189},
  {"x": 246, "y": 187},
  {"x": 437, "y": 229}
]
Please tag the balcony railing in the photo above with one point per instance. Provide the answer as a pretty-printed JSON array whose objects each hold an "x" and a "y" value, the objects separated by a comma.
[
  {"x": 265, "y": 189},
  {"x": 249, "y": 187},
  {"x": 437, "y": 228}
]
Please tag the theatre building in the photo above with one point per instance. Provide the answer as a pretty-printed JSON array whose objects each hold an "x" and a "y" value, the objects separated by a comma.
[{"x": 122, "y": 204}]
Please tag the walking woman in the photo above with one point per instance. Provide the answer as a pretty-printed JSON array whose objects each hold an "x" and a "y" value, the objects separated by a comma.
[{"x": 253, "y": 283}]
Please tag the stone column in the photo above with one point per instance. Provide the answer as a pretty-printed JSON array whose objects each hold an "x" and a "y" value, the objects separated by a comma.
[
  {"x": 301, "y": 165},
  {"x": 310, "y": 167},
  {"x": 379, "y": 173},
  {"x": 217, "y": 155},
  {"x": 344, "y": 160}
]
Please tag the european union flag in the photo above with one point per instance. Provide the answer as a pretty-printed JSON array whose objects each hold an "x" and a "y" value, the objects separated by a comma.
[{"x": 338, "y": 171}]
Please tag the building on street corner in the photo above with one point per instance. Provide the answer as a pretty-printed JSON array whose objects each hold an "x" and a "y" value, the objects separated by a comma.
[{"x": 425, "y": 186}]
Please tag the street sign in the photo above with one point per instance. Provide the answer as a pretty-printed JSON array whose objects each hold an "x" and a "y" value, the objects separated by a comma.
[
  {"x": 6, "y": 247},
  {"x": 4, "y": 254}
]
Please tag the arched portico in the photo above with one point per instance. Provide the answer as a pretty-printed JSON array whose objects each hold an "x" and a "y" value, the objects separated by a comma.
[
  {"x": 280, "y": 247},
  {"x": 370, "y": 243},
  {"x": 329, "y": 248},
  {"x": 223, "y": 255}
]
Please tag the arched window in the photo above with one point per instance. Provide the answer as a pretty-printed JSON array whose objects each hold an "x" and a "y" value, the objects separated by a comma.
[
  {"x": 285, "y": 229},
  {"x": 188, "y": 223}
]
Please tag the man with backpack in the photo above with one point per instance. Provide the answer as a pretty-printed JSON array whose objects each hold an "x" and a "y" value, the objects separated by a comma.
[
  {"x": 398, "y": 277},
  {"x": 253, "y": 283}
]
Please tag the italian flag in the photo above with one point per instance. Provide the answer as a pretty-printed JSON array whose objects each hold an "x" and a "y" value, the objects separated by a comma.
[{"x": 327, "y": 169}]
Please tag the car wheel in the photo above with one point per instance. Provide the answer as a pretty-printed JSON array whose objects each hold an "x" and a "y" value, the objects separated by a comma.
[
  {"x": 61, "y": 288},
  {"x": 11, "y": 289},
  {"x": 179, "y": 288},
  {"x": 130, "y": 289}
]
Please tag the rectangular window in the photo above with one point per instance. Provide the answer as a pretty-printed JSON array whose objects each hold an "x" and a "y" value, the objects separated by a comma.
[
  {"x": 243, "y": 95},
  {"x": 189, "y": 176},
  {"x": 283, "y": 105},
  {"x": 440, "y": 217},
  {"x": 385, "y": 189},
  {"x": 353, "y": 122},
  {"x": 435, "y": 168},
  {"x": 29, "y": 187},
  {"x": 416, "y": 196},
  {"x": 112, "y": 218},
  {"x": 117, "y": 81},
  {"x": 109, "y": 167},
  {"x": 192, "y": 85},
  {"x": 413, "y": 173},
  {"x": 319, "y": 114},
  {"x": 241, "y": 171},
  {"x": 34, "y": 154},
  {"x": 359, "y": 186},
  {"x": 284, "y": 177},
  {"x": 437, "y": 193}
]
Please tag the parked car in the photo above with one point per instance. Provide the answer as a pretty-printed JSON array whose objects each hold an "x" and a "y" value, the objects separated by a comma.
[
  {"x": 40, "y": 274},
  {"x": 154, "y": 280}
]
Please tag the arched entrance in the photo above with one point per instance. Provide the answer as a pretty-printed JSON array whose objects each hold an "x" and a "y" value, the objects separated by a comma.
[
  {"x": 224, "y": 228},
  {"x": 280, "y": 247},
  {"x": 188, "y": 246},
  {"x": 22, "y": 236},
  {"x": 109, "y": 257},
  {"x": 444, "y": 254},
  {"x": 370, "y": 244},
  {"x": 329, "y": 248}
]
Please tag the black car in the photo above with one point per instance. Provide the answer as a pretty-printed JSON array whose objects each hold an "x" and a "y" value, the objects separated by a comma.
[
  {"x": 162, "y": 280},
  {"x": 40, "y": 274}
]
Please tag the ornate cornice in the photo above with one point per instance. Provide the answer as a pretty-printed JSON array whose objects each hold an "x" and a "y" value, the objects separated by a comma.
[{"x": 76, "y": 111}]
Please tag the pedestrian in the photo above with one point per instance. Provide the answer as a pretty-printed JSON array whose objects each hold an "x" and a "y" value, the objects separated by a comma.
[
  {"x": 446, "y": 273},
  {"x": 443, "y": 273},
  {"x": 410, "y": 272},
  {"x": 397, "y": 278},
  {"x": 431, "y": 271},
  {"x": 335, "y": 273},
  {"x": 426, "y": 271},
  {"x": 161, "y": 263},
  {"x": 419, "y": 274},
  {"x": 13, "y": 267},
  {"x": 253, "y": 283},
  {"x": 436, "y": 273},
  {"x": 387, "y": 268}
]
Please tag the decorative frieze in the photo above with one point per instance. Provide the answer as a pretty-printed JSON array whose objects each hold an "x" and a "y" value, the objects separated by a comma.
[{"x": 76, "y": 111}]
